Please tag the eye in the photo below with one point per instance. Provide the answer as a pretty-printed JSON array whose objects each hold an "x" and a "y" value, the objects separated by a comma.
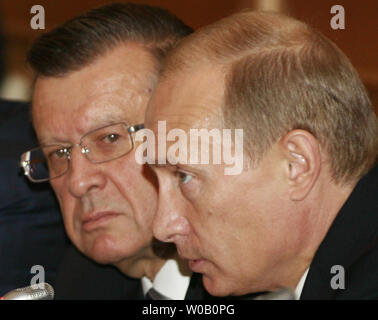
[
  {"x": 110, "y": 138},
  {"x": 184, "y": 177},
  {"x": 59, "y": 153}
]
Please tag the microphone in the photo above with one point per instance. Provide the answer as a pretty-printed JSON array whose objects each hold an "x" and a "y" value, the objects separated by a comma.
[
  {"x": 41, "y": 291},
  {"x": 282, "y": 294}
]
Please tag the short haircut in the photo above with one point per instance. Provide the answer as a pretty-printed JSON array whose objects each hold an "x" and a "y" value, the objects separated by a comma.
[
  {"x": 79, "y": 41},
  {"x": 281, "y": 75}
]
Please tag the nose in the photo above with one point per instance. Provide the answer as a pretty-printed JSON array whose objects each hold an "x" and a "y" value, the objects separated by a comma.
[
  {"x": 83, "y": 175},
  {"x": 170, "y": 223}
]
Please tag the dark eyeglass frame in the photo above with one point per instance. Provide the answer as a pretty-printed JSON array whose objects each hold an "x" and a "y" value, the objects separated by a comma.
[{"x": 25, "y": 164}]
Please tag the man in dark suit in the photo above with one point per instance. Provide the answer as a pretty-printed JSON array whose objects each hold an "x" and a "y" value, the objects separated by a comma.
[
  {"x": 295, "y": 206},
  {"x": 94, "y": 77},
  {"x": 31, "y": 228}
]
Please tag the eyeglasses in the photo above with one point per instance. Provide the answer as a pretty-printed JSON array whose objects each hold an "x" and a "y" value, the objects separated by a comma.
[{"x": 100, "y": 145}]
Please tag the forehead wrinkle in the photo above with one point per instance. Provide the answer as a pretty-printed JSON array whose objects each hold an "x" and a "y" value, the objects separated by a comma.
[
  {"x": 129, "y": 81},
  {"x": 126, "y": 105},
  {"x": 93, "y": 115},
  {"x": 114, "y": 88},
  {"x": 191, "y": 119},
  {"x": 107, "y": 85}
]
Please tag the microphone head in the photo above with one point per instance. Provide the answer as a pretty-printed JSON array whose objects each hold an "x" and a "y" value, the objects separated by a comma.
[{"x": 40, "y": 291}]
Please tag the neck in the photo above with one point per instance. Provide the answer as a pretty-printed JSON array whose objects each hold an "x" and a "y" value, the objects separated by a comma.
[
  {"x": 146, "y": 264},
  {"x": 321, "y": 210},
  {"x": 149, "y": 261}
]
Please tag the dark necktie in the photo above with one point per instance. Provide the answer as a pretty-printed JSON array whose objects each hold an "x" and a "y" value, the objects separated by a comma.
[{"x": 152, "y": 294}]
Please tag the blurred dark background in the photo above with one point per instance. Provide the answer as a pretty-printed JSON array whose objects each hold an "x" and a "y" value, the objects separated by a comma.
[{"x": 358, "y": 40}]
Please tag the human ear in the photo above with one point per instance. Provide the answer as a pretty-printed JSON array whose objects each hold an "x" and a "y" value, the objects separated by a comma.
[{"x": 303, "y": 159}]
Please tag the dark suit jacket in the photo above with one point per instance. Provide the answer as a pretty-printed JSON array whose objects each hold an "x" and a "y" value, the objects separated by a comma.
[
  {"x": 80, "y": 278},
  {"x": 31, "y": 228},
  {"x": 351, "y": 242}
]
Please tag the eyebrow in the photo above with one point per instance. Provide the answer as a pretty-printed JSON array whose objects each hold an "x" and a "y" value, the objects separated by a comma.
[
  {"x": 161, "y": 165},
  {"x": 106, "y": 120},
  {"x": 52, "y": 141},
  {"x": 99, "y": 123},
  {"x": 171, "y": 166}
]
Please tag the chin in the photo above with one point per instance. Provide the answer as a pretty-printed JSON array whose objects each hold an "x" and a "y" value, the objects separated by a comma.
[
  {"x": 215, "y": 286},
  {"x": 219, "y": 286},
  {"x": 107, "y": 250}
]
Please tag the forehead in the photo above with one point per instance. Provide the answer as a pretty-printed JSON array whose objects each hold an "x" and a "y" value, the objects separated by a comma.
[
  {"x": 188, "y": 100},
  {"x": 115, "y": 87}
]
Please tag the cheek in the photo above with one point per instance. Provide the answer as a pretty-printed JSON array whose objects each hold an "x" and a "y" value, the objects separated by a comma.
[
  {"x": 212, "y": 233},
  {"x": 224, "y": 223},
  {"x": 139, "y": 187}
]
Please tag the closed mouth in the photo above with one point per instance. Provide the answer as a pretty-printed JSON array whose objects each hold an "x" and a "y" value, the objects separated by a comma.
[{"x": 94, "y": 220}]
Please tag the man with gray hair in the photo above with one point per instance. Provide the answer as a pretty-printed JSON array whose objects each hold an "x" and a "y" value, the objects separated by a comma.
[{"x": 302, "y": 214}]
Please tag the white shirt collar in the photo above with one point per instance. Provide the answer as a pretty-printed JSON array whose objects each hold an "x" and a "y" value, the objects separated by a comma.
[
  {"x": 300, "y": 285},
  {"x": 169, "y": 281}
]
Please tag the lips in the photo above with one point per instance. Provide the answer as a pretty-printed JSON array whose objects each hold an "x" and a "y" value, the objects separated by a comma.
[
  {"x": 95, "y": 220},
  {"x": 196, "y": 265}
]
